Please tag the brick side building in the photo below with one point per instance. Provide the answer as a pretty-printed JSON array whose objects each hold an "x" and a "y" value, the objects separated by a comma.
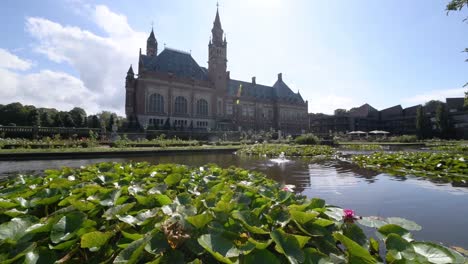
[{"x": 171, "y": 90}]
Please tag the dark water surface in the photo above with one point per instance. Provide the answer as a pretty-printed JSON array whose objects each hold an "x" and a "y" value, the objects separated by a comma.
[{"x": 441, "y": 209}]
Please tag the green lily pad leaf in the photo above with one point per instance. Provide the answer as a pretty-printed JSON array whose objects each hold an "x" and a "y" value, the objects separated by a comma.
[
  {"x": 334, "y": 213},
  {"x": 40, "y": 255},
  {"x": 66, "y": 227},
  {"x": 396, "y": 229},
  {"x": 129, "y": 219},
  {"x": 111, "y": 198},
  {"x": 323, "y": 222},
  {"x": 64, "y": 245},
  {"x": 6, "y": 204},
  {"x": 163, "y": 199},
  {"x": 355, "y": 233},
  {"x": 249, "y": 222},
  {"x": 219, "y": 247},
  {"x": 398, "y": 248},
  {"x": 132, "y": 253},
  {"x": 95, "y": 239},
  {"x": 15, "y": 212},
  {"x": 199, "y": 221},
  {"x": 82, "y": 205},
  {"x": 157, "y": 244},
  {"x": 288, "y": 245},
  {"x": 132, "y": 236},
  {"x": 372, "y": 221},
  {"x": 173, "y": 179},
  {"x": 260, "y": 244},
  {"x": 356, "y": 253},
  {"x": 313, "y": 256},
  {"x": 434, "y": 253},
  {"x": 261, "y": 256},
  {"x": 406, "y": 224},
  {"x": 112, "y": 212},
  {"x": 303, "y": 217},
  {"x": 14, "y": 231},
  {"x": 317, "y": 203}
]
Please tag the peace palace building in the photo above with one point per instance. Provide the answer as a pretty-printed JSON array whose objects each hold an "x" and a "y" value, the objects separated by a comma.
[{"x": 172, "y": 91}]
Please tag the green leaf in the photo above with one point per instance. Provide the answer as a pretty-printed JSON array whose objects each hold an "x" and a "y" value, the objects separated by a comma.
[
  {"x": 199, "y": 221},
  {"x": 219, "y": 247},
  {"x": 356, "y": 253},
  {"x": 396, "y": 229},
  {"x": 14, "y": 231},
  {"x": 355, "y": 233},
  {"x": 249, "y": 222},
  {"x": 82, "y": 205},
  {"x": 372, "y": 221},
  {"x": 313, "y": 256},
  {"x": 260, "y": 244},
  {"x": 6, "y": 204},
  {"x": 433, "y": 252},
  {"x": 112, "y": 212},
  {"x": 66, "y": 227},
  {"x": 132, "y": 253},
  {"x": 398, "y": 248},
  {"x": 95, "y": 239},
  {"x": 163, "y": 199},
  {"x": 157, "y": 244},
  {"x": 261, "y": 256},
  {"x": 288, "y": 245},
  {"x": 317, "y": 203},
  {"x": 406, "y": 224},
  {"x": 173, "y": 179},
  {"x": 40, "y": 255},
  {"x": 303, "y": 217}
]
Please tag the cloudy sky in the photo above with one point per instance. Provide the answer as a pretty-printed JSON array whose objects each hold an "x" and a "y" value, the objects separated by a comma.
[{"x": 337, "y": 53}]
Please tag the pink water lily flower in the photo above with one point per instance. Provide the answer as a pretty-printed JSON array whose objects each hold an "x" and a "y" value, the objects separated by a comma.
[
  {"x": 288, "y": 188},
  {"x": 349, "y": 214}
]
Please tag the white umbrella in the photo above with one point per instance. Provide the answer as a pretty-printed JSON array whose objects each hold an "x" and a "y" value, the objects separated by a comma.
[
  {"x": 357, "y": 132},
  {"x": 378, "y": 132}
]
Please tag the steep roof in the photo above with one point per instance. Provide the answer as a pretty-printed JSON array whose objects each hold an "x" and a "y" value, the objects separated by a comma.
[
  {"x": 393, "y": 111},
  {"x": 180, "y": 63},
  {"x": 259, "y": 91},
  {"x": 411, "y": 111},
  {"x": 364, "y": 110}
]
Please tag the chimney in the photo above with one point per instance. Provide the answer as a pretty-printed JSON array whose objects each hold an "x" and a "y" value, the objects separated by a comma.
[
  {"x": 280, "y": 76},
  {"x": 254, "y": 80},
  {"x": 228, "y": 75}
]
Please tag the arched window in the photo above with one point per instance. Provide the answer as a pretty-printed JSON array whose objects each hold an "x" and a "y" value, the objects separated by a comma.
[
  {"x": 202, "y": 107},
  {"x": 180, "y": 105},
  {"x": 156, "y": 103}
]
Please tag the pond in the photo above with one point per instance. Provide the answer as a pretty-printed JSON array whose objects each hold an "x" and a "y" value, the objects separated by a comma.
[{"x": 441, "y": 209}]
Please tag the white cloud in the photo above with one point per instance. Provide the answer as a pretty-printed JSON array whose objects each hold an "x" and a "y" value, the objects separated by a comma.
[
  {"x": 434, "y": 95},
  {"x": 13, "y": 62},
  {"x": 101, "y": 61},
  {"x": 329, "y": 102},
  {"x": 44, "y": 89}
]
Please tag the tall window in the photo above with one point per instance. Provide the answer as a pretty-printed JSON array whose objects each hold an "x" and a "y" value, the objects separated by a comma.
[
  {"x": 202, "y": 107},
  {"x": 180, "y": 105},
  {"x": 156, "y": 103}
]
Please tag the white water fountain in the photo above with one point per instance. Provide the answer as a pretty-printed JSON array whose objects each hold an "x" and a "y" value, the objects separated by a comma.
[{"x": 281, "y": 159}]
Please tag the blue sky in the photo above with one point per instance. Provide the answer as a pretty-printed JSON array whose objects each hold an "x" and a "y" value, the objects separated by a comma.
[{"x": 338, "y": 54}]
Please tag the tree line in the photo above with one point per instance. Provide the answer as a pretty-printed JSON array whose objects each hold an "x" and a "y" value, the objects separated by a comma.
[{"x": 16, "y": 114}]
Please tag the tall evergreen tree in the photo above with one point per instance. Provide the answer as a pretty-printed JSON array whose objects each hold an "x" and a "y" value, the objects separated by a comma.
[
  {"x": 46, "y": 119},
  {"x": 423, "y": 128},
  {"x": 58, "y": 122},
  {"x": 78, "y": 115},
  {"x": 68, "y": 120}
]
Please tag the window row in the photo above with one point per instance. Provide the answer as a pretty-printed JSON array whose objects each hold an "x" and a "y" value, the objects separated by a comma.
[{"x": 156, "y": 105}]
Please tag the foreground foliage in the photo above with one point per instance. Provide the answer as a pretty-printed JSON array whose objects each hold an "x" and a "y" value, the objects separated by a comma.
[
  {"x": 274, "y": 150},
  {"x": 442, "y": 166},
  {"x": 140, "y": 213},
  {"x": 362, "y": 147}
]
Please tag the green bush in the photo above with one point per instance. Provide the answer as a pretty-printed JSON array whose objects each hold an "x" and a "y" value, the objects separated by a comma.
[
  {"x": 307, "y": 139},
  {"x": 404, "y": 139}
]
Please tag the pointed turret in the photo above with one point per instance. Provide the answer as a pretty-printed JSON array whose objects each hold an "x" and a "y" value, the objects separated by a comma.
[
  {"x": 217, "y": 30},
  {"x": 130, "y": 71},
  {"x": 151, "y": 44}
]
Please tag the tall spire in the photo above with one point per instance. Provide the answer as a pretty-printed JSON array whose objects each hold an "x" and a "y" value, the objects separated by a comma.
[
  {"x": 217, "y": 22},
  {"x": 151, "y": 44},
  {"x": 217, "y": 30}
]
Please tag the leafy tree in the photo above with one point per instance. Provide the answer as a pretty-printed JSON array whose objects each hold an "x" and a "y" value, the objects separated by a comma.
[
  {"x": 46, "y": 119},
  {"x": 68, "y": 120},
  {"x": 14, "y": 113},
  {"x": 78, "y": 115},
  {"x": 58, "y": 122},
  {"x": 112, "y": 121},
  {"x": 94, "y": 121},
  {"x": 34, "y": 118},
  {"x": 442, "y": 120}
]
